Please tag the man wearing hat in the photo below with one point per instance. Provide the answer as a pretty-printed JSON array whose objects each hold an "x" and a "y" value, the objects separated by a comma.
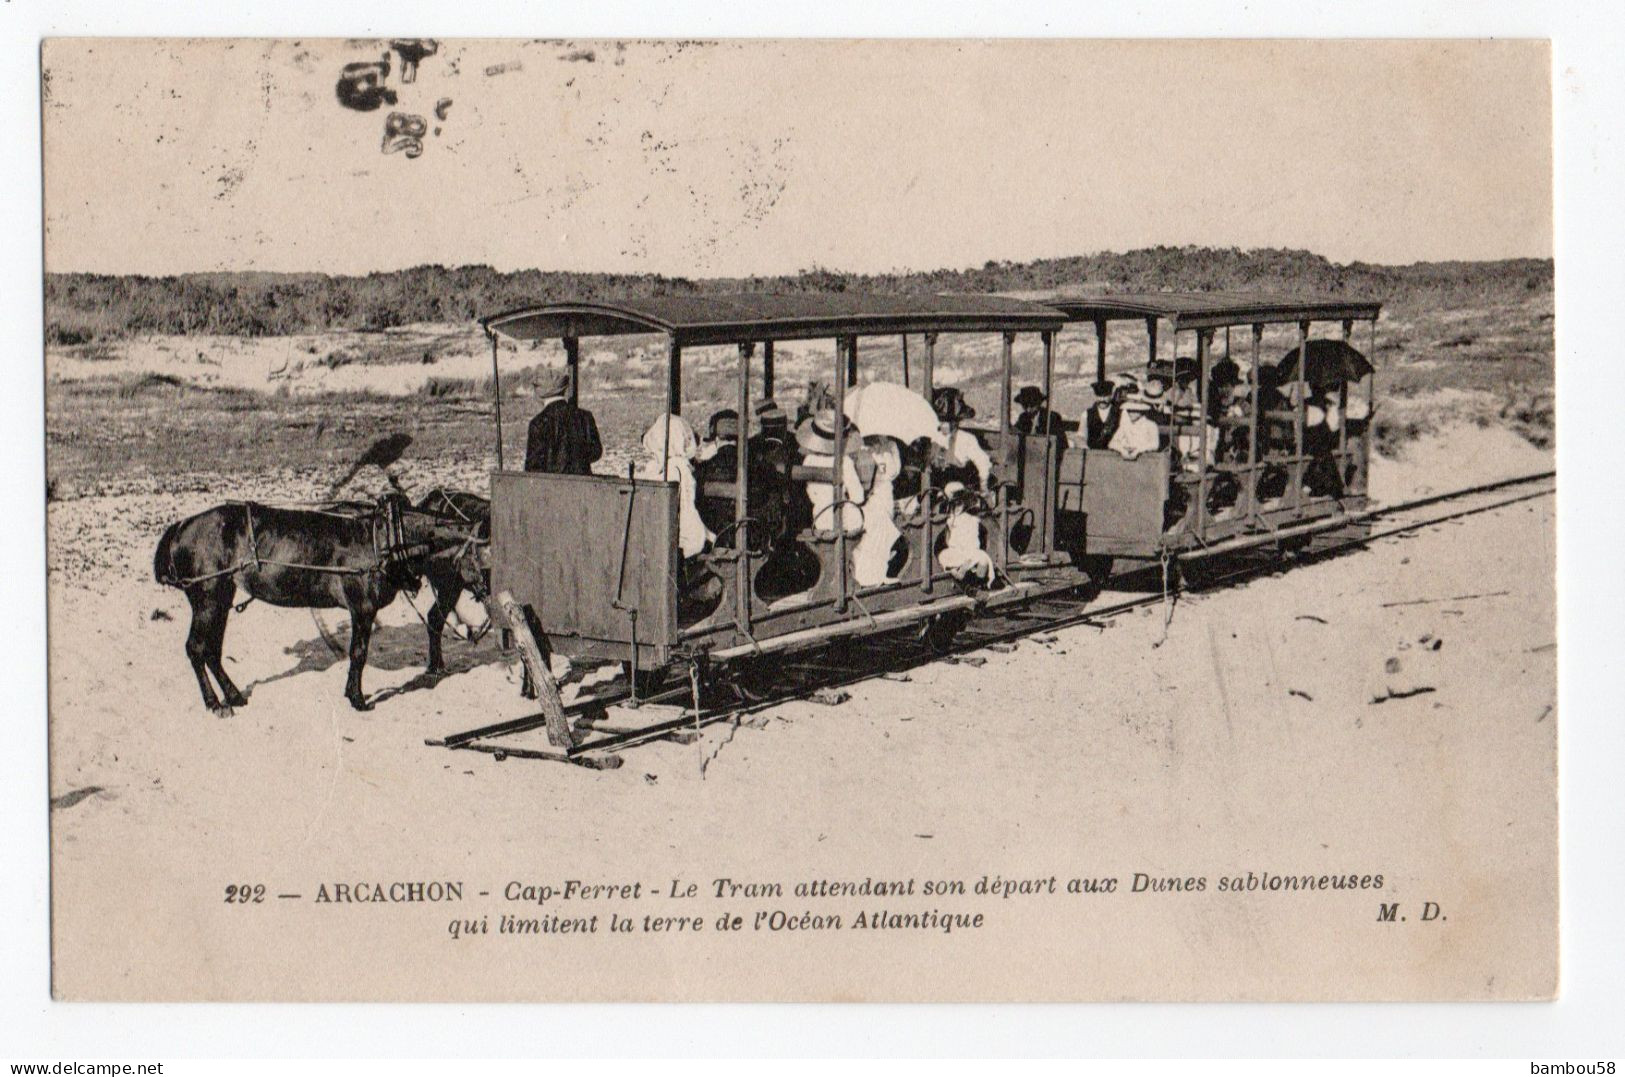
[
  {"x": 1035, "y": 419},
  {"x": 563, "y": 438},
  {"x": 717, "y": 462},
  {"x": 1104, "y": 416}
]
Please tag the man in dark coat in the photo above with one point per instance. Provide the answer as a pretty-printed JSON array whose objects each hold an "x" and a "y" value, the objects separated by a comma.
[
  {"x": 1104, "y": 416},
  {"x": 1034, "y": 419},
  {"x": 563, "y": 438}
]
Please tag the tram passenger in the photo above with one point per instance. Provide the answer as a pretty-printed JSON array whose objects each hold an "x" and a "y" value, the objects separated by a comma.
[
  {"x": 1182, "y": 397},
  {"x": 1037, "y": 419},
  {"x": 872, "y": 558},
  {"x": 961, "y": 551},
  {"x": 722, "y": 439},
  {"x": 1104, "y": 416},
  {"x": 669, "y": 447},
  {"x": 816, "y": 436},
  {"x": 562, "y": 438},
  {"x": 715, "y": 463},
  {"x": 964, "y": 460},
  {"x": 1323, "y": 424},
  {"x": 1137, "y": 432}
]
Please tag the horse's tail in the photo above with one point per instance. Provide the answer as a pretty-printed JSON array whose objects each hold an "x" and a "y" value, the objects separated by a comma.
[{"x": 163, "y": 562}]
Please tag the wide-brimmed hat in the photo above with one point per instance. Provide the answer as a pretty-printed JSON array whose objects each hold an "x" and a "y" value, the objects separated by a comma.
[
  {"x": 1104, "y": 390},
  {"x": 949, "y": 404},
  {"x": 816, "y": 434},
  {"x": 552, "y": 381},
  {"x": 1155, "y": 386},
  {"x": 1030, "y": 396}
]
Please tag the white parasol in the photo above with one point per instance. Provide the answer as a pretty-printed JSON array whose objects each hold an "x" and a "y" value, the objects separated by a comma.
[{"x": 886, "y": 409}]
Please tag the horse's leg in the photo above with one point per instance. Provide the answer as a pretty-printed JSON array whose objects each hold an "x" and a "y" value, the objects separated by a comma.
[
  {"x": 209, "y": 608},
  {"x": 217, "y": 653},
  {"x": 361, "y": 617},
  {"x": 446, "y": 593}
]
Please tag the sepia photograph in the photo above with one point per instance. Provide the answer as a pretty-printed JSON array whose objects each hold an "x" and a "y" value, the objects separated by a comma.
[{"x": 800, "y": 520}]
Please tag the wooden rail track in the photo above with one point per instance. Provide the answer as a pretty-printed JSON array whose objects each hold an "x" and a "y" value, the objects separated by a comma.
[{"x": 600, "y": 726}]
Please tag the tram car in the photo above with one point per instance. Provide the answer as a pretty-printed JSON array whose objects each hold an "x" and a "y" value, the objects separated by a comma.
[{"x": 887, "y": 505}]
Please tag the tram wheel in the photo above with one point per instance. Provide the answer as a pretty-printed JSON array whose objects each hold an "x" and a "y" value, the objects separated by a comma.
[
  {"x": 938, "y": 632},
  {"x": 647, "y": 681},
  {"x": 748, "y": 680}
]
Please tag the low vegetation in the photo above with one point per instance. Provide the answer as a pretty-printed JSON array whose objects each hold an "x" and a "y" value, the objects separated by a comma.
[{"x": 1458, "y": 343}]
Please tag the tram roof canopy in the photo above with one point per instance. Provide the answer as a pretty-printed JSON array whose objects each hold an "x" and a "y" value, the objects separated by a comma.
[
  {"x": 1208, "y": 310},
  {"x": 731, "y": 319}
]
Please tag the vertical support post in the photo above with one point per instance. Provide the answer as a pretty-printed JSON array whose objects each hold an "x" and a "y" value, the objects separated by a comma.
[
  {"x": 1052, "y": 474},
  {"x": 1151, "y": 338},
  {"x": 572, "y": 366},
  {"x": 1343, "y": 412},
  {"x": 496, "y": 391},
  {"x": 767, "y": 369},
  {"x": 1173, "y": 423},
  {"x": 927, "y": 538},
  {"x": 674, "y": 377},
  {"x": 1007, "y": 353},
  {"x": 1370, "y": 412},
  {"x": 742, "y": 564},
  {"x": 852, "y": 362},
  {"x": 1204, "y": 361},
  {"x": 1299, "y": 415},
  {"x": 1252, "y": 428},
  {"x": 905, "y": 360},
  {"x": 844, "y": 362},
  {"x": 1100, "y": 349}
]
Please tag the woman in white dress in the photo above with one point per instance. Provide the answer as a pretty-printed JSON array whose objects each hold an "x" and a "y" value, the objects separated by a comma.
[
  {"x": 874, "y": 550},
  {"x": 669, "y": 448},
  {"x": 962, "y": 553},
  {"x": 816, "y": 437}
]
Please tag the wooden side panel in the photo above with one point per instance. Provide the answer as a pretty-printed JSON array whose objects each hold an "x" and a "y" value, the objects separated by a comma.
[
  {"x": 1123, "y": 502},
  {"x": 1032, "y": 467},
  {"x": 557, "y": 542}
]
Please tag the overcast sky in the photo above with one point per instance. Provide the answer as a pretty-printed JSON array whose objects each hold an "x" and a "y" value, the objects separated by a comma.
[{"x": 767, "y": 157}]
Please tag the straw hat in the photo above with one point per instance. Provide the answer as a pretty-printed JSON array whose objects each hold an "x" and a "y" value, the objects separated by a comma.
[
  {"x": 552, "y": 381},
  {"x": 816, "y": 434}
]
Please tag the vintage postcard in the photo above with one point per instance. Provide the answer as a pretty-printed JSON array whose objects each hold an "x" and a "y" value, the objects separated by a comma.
[{"x": 798, "y": 520}]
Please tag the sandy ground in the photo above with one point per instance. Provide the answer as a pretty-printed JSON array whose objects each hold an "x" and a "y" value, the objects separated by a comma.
[{"x": 1243, "y": 737}]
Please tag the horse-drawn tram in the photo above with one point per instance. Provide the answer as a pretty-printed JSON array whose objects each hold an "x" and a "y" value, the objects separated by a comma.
[{"x": 882, "y": 508}]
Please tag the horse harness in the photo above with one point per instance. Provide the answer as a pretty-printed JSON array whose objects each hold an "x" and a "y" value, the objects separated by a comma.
[{"x": 388, "y": 539}]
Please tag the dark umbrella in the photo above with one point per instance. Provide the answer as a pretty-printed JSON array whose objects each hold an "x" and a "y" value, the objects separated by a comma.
[{"x": 1331, "y": 363}]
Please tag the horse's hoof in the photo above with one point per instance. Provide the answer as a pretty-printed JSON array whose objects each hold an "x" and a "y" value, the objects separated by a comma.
[
  {"x": 361, "y": 704},
  {"x": 222, "y": 710},
  {"x": 237, "y": 699}
]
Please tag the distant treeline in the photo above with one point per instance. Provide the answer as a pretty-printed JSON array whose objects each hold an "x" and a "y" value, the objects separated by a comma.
[{"x": 82, "y": 307}]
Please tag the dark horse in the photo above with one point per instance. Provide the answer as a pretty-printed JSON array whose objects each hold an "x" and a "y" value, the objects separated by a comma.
[
  {"x": 300, "y": 558},
  {"x": 449, "y": 574}
]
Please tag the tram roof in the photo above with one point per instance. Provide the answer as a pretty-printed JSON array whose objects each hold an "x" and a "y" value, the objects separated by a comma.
[
  {"x": 730, "y": 319},
  {"x": 1208, "y": 310}
]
